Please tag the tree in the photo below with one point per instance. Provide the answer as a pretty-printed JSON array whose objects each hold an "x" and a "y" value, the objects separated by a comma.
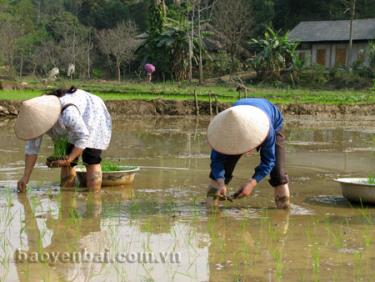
[
  {"x": 148, "y": 51},
  {"x": 372, "y": 55},
  {"x": 233, "y": 20},
  {"x": 45, "y": 56},
  {"x": 9, "y": 35},
  {"x": 119, "y": 43},
  {"x": 265, "y": 12},
  {"x": 71, "y": 38},
  {"x": 175, "y": 43},
  {"x": 101, "y": 14},
  {"x": 350, "y": 4}
]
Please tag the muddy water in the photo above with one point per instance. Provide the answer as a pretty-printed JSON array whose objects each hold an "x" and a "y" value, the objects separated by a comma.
[{"x": 322, "y": 238}]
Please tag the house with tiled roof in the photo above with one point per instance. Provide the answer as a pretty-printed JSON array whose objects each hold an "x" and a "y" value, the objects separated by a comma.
[{"x": 327, "y": 42}]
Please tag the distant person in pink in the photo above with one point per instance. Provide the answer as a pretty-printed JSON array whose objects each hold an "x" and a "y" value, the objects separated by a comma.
[{"x": 149, "y": 68}]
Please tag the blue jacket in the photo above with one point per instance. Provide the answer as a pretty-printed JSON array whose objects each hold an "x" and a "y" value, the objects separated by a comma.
[{"x": 267, "y": 148}]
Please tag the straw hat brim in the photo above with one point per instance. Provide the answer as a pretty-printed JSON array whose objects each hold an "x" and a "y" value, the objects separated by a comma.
[
  {"x": 37, "y": 116},
  {"x": 238, "y": 130}
]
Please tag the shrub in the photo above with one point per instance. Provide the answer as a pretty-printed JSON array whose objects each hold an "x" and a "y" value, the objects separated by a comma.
[
  {"x": 314, "y": 76},
  {"x": 340, "y": 78},
  {"x": 372, "y": 54},
  {"x": 221, "y": 64},
  {"x": 97, "y": 73}
]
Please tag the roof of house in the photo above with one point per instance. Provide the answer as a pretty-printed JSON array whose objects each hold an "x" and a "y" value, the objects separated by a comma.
[{"x": 315, "y": 31}]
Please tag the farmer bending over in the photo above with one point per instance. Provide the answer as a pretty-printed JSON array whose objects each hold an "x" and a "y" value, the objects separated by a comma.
[
  {"x": 74, "y": 114},
  {"x": 251, "y": 124}
]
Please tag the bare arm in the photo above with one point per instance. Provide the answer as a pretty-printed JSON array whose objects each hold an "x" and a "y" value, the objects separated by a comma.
[
  {"x": 246, "y": 189},
  {"x": 30, "y": 161},
  {"x": 76, "y": 152}
]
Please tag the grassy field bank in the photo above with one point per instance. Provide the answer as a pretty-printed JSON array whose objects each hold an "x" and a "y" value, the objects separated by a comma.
[{"x": 174, "y": 91}]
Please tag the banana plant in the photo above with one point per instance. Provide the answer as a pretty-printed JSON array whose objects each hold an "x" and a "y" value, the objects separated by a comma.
[{"x": 274, "y": 55}]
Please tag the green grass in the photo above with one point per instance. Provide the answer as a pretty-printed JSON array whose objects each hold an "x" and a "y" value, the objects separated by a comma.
[{"x": 175, "y": 91}]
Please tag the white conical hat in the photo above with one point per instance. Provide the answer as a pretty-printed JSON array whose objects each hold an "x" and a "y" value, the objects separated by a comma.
[
  {"x": 238, "y": 130},
  {"x": 37, "y": 116}
]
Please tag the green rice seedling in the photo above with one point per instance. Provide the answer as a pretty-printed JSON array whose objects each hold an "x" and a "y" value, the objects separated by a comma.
[
  {"x": 171, "y": 206},
  {"x": 371, "y": 179},
  {"x": 6, "y": 219},
  {"x": 315, "y": 260},
  {"x": 74, "y": 218},
  {"x": 367, "y": 237},
  {"x": 358, "y": 266},
  {"x": 338, "y": 237},
  {"x": 278, "y": 258},
  {"x": 22, "y": 230},
  {"x": 365, "y": 213},
  {"x": 196, "y": 209},
  {"x": 5, "y": 265},
  {"x": 367, "y": 234},
  {"x": 110, "y": 166},
  {"x": 34, "y": 203},
  {"x": 133, "y": 209},
  {"x": 9, "y": 199},
  {"x": 59, "y": 147},
  {"x": 337, "y": 234},
  {"x": 309, "y": 234},
  {"x": 271, "y": 231},
  {"x": 211, "y": 227}
]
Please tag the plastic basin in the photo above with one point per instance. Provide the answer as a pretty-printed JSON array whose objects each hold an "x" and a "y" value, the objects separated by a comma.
[
  {"x": 110, "y": 178},
  {"x": 357, "y": 190}
]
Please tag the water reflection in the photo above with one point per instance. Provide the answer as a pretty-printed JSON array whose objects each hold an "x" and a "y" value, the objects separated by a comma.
[{"x": 82, "y": 222}]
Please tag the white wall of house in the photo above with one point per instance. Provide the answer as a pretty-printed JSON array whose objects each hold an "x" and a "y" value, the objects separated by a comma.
[
  {"x": 328, "y": 51},
  {"x": 359, "y": 49}
]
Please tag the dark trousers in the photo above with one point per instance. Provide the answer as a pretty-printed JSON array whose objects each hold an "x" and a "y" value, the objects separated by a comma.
[
  {"x": 89, "y": 156},
  {"x": 278, "y": 174}
]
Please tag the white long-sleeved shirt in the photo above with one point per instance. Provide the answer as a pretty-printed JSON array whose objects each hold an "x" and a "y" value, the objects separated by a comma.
[{"x": 86, "y": 124}]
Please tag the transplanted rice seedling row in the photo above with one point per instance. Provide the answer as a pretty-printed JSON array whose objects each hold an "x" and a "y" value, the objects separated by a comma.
[
  {"x": 175, "y": 91},
  {"x": 371, "y": 180}
]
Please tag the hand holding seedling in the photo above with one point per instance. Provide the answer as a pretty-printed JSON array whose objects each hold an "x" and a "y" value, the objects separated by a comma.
[
  {"x": 64, "y": 161},
  {"x": 246, "y": 189},
  {"x": 58, "y": 163},
  {"x": 222, "y": 190}
]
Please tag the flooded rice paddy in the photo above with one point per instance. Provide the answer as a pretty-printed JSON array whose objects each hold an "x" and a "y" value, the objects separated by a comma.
[{"x": 159, "y": 230}]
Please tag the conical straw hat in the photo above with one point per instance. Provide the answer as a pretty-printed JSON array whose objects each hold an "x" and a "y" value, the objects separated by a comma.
[
  {"x": 37, "y": 116},
  {"x": 238, "y": 130}
]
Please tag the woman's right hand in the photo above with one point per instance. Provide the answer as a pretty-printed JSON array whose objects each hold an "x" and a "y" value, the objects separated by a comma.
[
  {"x": 21, "y": 184},
  {"x": 30, "y": 161}
]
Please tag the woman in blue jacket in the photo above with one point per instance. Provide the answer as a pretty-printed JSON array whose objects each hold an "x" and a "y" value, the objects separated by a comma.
[{"x": 251, "y": 124}]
